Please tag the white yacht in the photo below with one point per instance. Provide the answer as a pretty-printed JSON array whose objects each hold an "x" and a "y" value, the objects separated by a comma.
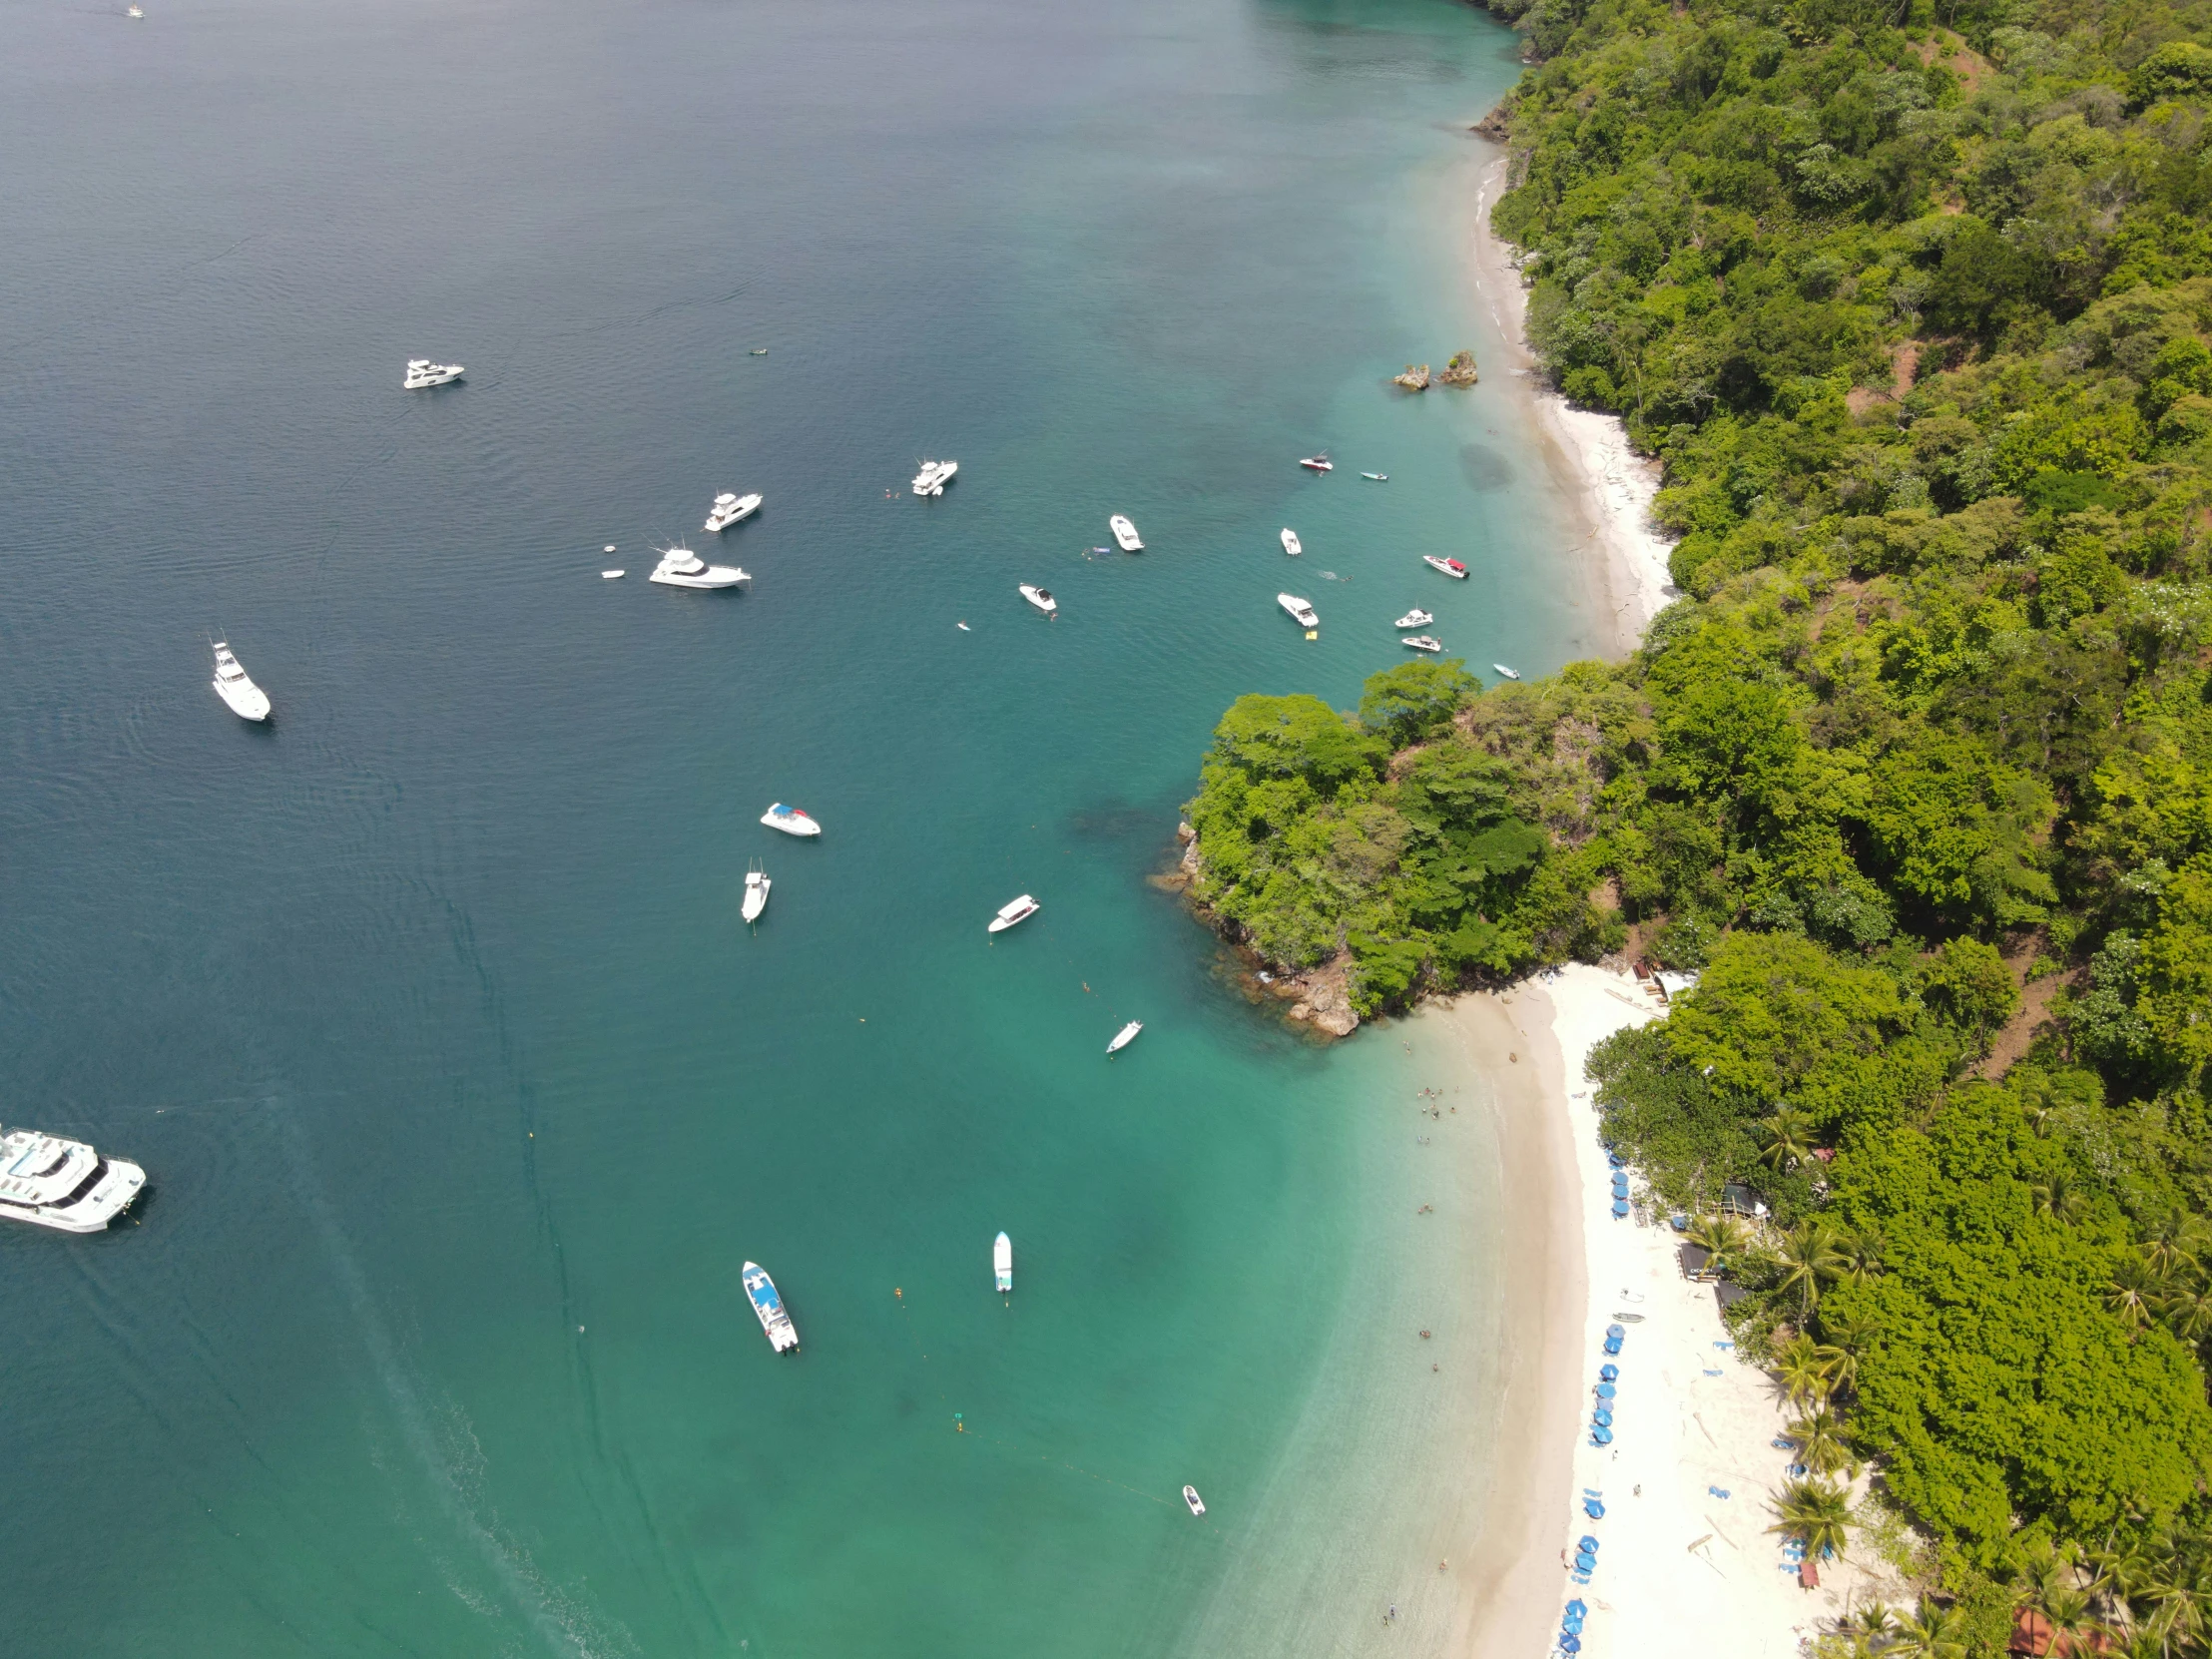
[
  {"x": 1041, "y": 599},
  {"x": 63, "y": 1184},
  {"x": 933, "y": 477},
  {"x": 1509, "y": 673},
  {"x": 1002, "y": 1262},
  {"x": 1422, "y": 642},
  {"x": 1291, "y": 543},
  {"x": 791, "y": 821},
  {"x": 1318, "y": 463},
  {"x": 1451, "y": 567},
  {"x": 247, "y": 700},
  {"x": 756, "y": 893},
  {"x": 1125, "y": 533},
  {"x": 423, "y": 374},
  {"x": 760, "y": 1289},
  {"x": 1012, "y": 911},
  {"x": 680, "y": 567},
  {"x": 1415, "y": 618},
  {"x": 728, "y": 509},
  {"x": 1301, "y": 611},
  {"x": 1125, "y": 1036},
  {"x": 1197, "y": 1503}
]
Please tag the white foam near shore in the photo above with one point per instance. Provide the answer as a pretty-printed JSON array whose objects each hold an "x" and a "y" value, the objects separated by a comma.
[
  {"x": 1613, "y": 487},
  {"x": 1684, "y": 1557}
]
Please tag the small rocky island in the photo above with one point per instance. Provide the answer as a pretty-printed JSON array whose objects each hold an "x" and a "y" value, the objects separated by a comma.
[{"x": 1457, "y": 373}]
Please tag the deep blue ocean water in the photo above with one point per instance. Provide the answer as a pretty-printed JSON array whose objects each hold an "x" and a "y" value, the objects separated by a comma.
[{"x": 462, "y": 1088}]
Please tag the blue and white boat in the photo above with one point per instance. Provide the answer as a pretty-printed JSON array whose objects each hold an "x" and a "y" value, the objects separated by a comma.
[
  {"x": 782, "y": 1336},
  {"x": 1002, "y": 1262}
]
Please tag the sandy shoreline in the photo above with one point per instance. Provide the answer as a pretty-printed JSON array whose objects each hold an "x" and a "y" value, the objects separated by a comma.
[
  {"x": 1683, "y": 1543},
  {"x": 1610, "y": 486}
]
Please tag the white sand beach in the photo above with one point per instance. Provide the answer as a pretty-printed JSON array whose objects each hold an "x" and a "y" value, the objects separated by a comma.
[
  {"x": 1684, "y": 1554},
  {"x": 1612, "y": 486}
]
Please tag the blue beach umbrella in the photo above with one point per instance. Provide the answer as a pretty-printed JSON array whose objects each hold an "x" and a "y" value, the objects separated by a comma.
[
  {"x": 1601, "y": 1437},
  {"x": 1620, "y": 1206},
  {"x": 1606, "y": 1390},
  {"x": 1569, "y": 1642},
  {"x": 1575, "y": 1608},
  {"x": 1593, "y": 1508},
  {"x": 1571, "y": 1625},
  {"x": 1587, "y": 1562},
  {"x": 1588, "y": 1545},
  {"x": 1606, "y": 1374},
  {"x": 1602, "y": 1417}
]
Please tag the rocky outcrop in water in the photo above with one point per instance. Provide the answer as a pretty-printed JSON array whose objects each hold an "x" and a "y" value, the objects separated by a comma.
[
  {"x": 1459, "y": 372},
  {"x": 1414, "y": 380}
]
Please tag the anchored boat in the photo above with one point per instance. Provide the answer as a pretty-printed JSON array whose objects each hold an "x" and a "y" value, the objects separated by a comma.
[
  {"x": 1197, "y": 1503},
  {"x": 422, "y": 374},
  {"x": 1509, "y": 673},
  {"x": 1318, "y": 463},
  {"x": 933, "y": 477},
  {"x": 1012, "y": 911},
  {"x": 728, "y": 509},
  {"x": 1451, "y": 567},
  {"x": 1041, "y": 598},
  {"x": 1301, "y": 611},
  {"x": 782, "y": 1336},
  {"x": 247, "y": 700},
  {"x": 1125, "y": 533},
  {"x": 50, "y": 1181},
  {"x": 1002, "y": 1262},
  {"x": 1125, "y": 1036},
  {"x": 1291, "y": 543},
  {"x": 680, "y": 567},
  {"x": 1415, "y": 618},
  {"x": 791, "y": 821},
  {"x": 756, "y": 892},
  {"x": 1422, "y": 642}
]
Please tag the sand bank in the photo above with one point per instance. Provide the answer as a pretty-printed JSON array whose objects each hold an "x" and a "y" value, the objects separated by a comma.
[{"x": 1610, "y": 486}]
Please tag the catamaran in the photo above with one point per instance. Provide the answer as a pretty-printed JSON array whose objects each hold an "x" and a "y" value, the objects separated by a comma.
[
  {"x": 1422, "y": 642},
  {"x": 1014, "y": 910},
  {"x": 1415, "y": 618},
  {"x": 1451, "y": 567},
  {"x": 756, "y": 892},
  {"x": 1291, "y": 543},
  {"x": 1509, "y": 673},
  {"x": 423, "y": 374},
  {"x": 1041, "y": 598},
  {"x": 728, "y": 509},
  {"x": 1002, "y": 1262},
  {"x": 247, "y": 700},
  {"x": 791, "y": 821},
  {"x": 782, "y": 1336},
  {"x": 680, "y": 567},
  {"x": 1125, "y": 1036},
  {"x": 1125, "y": 533},
  {"x": 1301, "y": 611},
  {"x": 933, "y": 477}
]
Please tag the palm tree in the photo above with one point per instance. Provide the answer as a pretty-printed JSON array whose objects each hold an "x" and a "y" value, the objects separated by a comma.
[
  {"x": 1930, "y": 1632},
  {"x": 2134, "y": 1292},
  {"x": 2180, "y": 1596},
  {"x": 2057, "y": 1198},
  {"x": 1785, "y": 1139},
  {"x": 2187, "y": 1311},
  {"x": 1871, "y": 1622},
  {"x": 1821, "y": 1447},
  {"x": 1726, "y": 1238},
  {"x": 2173, "y": 1250},
  {"x": 1816, "y": 1513},
  {"x": 1862, "y": 1254},
  {"x": 1840, "y": 1366},
  {"x": 1812, "y": 1253},
  {"x": 2074, "y": 1626},
  {"x": 1803, "y": 1374}
]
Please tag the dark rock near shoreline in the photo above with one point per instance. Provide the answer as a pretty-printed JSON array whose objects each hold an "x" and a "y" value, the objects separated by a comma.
[{"x": 1494, "y": 126}]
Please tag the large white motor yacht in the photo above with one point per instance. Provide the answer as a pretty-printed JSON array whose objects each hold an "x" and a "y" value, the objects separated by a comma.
[
  {"x": 933, "y": 477},
  {"x": 247, "y": 700},
  {"x": 680, "y": 567},
  {"x": 1415, "y": 618},
  {"x": 728, "y": 509},
  {"x": 63, "y": 1184},
  {"x": 1422, "y": 642},
  {"x": 1125, "y": 533},
  {"x": 759, "y": 1290},
  {"x": 423, "y": 374},
  {"x": 1301, "y": 611},
  {"x": 1451, "y": 567}
]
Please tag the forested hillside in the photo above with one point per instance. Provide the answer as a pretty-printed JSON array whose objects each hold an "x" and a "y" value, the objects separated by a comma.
[{"x": 1914, "y": 306}]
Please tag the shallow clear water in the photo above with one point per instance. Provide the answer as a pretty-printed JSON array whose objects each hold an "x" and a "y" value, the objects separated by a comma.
[{"x": 462, "y": 1088}]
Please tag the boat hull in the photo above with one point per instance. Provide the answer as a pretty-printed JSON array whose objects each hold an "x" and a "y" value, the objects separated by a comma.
[
  {"x": 712, "y": 578},
  {"x": 115, "y": 1192},
  {"x": 246, "y": 701}
]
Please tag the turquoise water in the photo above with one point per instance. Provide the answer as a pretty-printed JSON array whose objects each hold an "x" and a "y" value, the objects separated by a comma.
[{"x": 462, "y": 1088}]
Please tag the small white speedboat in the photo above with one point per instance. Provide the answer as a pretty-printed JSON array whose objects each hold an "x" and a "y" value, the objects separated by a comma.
[
  {"x": 423, "y": 374},
  {"x": 1291, "y": 543},
  {"x": 1451, "y": 567},
  {"x": 1415, "y": 618},
  {"x": 1125, "y": 533},
  {"x": 1301, "y": 611},
  {"x": 1041, "y": 598},
  {"x": 1003, "y": 1263},
  {"x": 1379, "y": 477},
  {"x": 933, "y": 477},
  {"x": 728, "y": 509},
  {"x": 680, "y": 567},
  {"x": 1197, "y": 1503},
  {"x": 1012, "y": 911},
  {"x": 1509, "y": 673},
  {"x": 791, "y": 821},
  {"x": 247, "y": 700},
  {"x": 1318, "y": 463},
  {"x": 1125, "y": 1036},
  {"x": 756, "y": 893},
  {"x": 1422, "y": 642},
  {"x": 610, "y": 576}
]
